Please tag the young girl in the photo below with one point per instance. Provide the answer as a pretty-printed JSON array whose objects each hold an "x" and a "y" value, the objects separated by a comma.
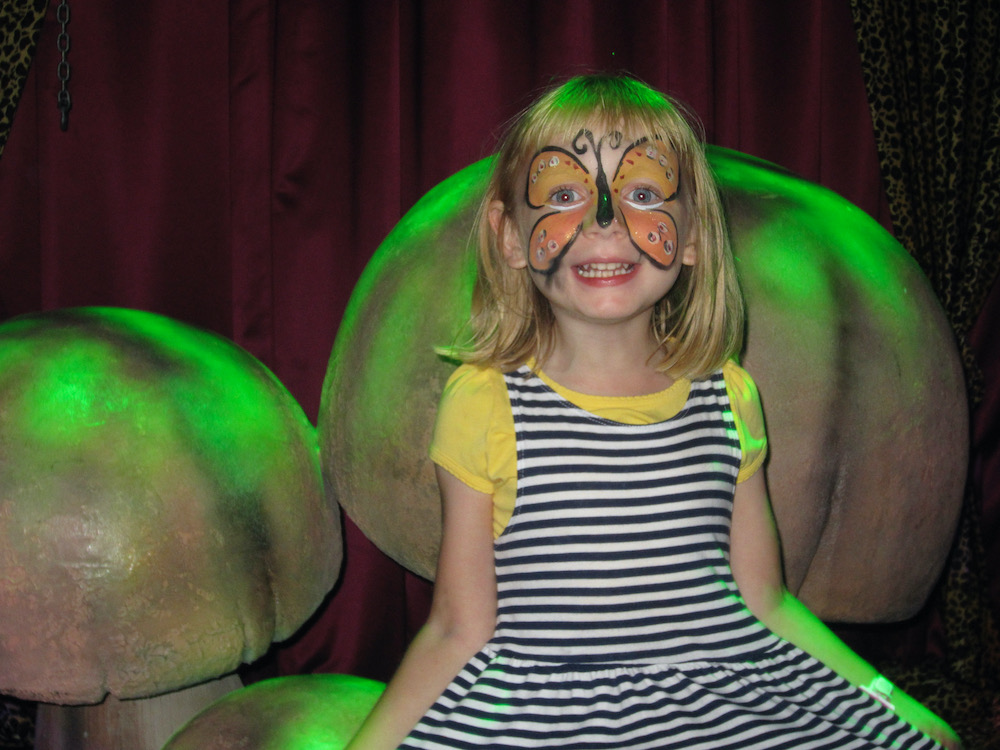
[{"x": 610, "y": 572}]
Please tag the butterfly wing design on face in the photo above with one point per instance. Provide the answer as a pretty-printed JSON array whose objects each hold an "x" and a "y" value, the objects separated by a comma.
[
  {"x": 645, "y": 188},
  {"x": 559, "y": 184}
]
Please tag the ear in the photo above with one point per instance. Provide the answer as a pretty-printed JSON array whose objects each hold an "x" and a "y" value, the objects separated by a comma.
[
  {"x": 689, "y": 253},
  {"x": 507, "y": 240}
]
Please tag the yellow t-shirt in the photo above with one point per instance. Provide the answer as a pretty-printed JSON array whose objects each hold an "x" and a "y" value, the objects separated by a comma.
[{"x": 474, "y": 431}]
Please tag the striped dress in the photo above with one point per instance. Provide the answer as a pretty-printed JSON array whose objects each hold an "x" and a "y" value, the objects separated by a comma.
[{"x": 619, "y": 623}]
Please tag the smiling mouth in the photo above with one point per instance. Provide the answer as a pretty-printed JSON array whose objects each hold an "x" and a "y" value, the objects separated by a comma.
[{"x": 603, "y": 270}]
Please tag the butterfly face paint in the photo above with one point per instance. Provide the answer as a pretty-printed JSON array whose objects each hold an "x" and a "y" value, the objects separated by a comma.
[
  {"x": 645, "y": 190},
  {"x": 567, "y": 196},
  {"x": 561, "y": 187}
]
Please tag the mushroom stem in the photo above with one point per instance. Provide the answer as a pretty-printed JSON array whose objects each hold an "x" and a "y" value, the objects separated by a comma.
[{"x": 133, "y": 724}]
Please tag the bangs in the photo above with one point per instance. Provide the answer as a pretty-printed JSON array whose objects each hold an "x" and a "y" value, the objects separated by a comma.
[{"x": 605, "y": 104}]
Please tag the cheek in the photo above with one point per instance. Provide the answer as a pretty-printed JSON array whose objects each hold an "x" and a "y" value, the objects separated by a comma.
[
  {"x": 551, "y": 237},
  {"x": 654, "y": 233}
]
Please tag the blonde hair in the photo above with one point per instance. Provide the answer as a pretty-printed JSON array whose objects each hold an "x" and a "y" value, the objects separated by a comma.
[{"x": 698, "y": 324}]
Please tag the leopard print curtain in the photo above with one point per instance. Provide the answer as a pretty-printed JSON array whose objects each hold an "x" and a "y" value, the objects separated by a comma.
[
  {"x": 20, "y": 23},
  {"x": 933, "y": 79},
  {"x": 934, "y": 88}
]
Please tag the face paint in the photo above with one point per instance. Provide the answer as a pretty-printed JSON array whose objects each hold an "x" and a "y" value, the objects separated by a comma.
[
  {"x": 646, "y": 182},
  {"x": 645, "y": 186},
  {"x": 605, "y": 209},
  {"x": 559, "y": 183}
]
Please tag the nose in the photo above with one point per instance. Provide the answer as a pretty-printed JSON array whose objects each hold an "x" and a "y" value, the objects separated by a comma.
[
  {"x": 605, "y": 211},
  {"x": 603, "y": 218},
  {"x": 605, "y": 208}
]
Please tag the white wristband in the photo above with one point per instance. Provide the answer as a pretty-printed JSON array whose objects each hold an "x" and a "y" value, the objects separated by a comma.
[{"x": 881, "y": 690}]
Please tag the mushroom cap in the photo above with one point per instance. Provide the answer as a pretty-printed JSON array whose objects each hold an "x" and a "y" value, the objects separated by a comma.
[
  {"x": 860, "y": 379},
  {"x": 284, "y": 713},
  {"x": 162, "y": 515}
]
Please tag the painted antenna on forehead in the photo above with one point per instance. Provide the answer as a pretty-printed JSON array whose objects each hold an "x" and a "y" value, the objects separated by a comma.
[{"x": 605, "y": 209}]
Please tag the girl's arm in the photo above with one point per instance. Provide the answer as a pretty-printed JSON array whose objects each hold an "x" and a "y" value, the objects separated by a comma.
[
  {"x": 461, "y": 621},
  {"x": 756, "y": 561}
]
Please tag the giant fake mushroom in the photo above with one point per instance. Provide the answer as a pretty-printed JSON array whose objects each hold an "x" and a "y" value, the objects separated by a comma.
[
  {"x": 162, "y": 520},
  {"x": 862, "y": 387}
]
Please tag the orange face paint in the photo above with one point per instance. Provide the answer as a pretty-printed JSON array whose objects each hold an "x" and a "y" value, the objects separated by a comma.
[
  {"x": 557, "y": 181},
  {"x": 567, "y": 195},
  {"x": 644, "y": 187}
]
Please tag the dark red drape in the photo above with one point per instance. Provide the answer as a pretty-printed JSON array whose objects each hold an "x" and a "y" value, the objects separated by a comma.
[{"x": 235, "y": 164}]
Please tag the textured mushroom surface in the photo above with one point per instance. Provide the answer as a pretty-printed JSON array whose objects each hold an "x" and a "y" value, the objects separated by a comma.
[
  {"x": 162, "y": 516},
  {"x": 859, "y": 375},
  {"x": 302, "y": 712}
]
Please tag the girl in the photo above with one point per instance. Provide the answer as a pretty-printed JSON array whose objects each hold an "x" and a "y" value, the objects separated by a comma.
[{"x": 610, "y": 571}]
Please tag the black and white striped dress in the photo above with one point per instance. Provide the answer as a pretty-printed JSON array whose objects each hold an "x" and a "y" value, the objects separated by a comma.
[{"x": 619, "y": 623}]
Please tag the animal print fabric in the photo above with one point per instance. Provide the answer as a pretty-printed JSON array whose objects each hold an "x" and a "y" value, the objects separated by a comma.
[
  {"x": 933, "y": 83},
  {"x": 20, "y": 24},
  {"x": 934, "y": 90},
  {"x": 17, "y": 724}
]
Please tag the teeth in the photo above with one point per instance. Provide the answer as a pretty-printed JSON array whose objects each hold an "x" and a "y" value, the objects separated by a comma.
[{"x": 603, "y": 270}]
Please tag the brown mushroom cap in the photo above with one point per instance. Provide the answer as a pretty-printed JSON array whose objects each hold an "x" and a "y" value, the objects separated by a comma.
[
  {"x": 858, "y": 370},
  {"x": 162, "y": 517}
]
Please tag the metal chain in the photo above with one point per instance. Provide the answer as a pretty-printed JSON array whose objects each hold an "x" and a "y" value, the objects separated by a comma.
[{"x": 63, "y": 101}]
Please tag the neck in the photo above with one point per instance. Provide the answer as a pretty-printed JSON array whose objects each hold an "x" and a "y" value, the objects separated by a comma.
[{"x": 606, "y": 361}]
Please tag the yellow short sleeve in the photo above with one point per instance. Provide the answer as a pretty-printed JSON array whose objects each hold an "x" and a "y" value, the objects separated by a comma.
[
  {"x": 474, "y": 437},
  {"x": 745, "y": 403},
  {"x": 461, "y": 431}
]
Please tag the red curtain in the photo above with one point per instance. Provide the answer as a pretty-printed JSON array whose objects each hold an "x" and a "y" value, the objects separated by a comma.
[{"x": 234, "y": 165}]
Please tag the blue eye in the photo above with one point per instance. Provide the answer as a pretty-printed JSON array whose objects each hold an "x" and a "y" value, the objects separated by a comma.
[
  {"x": 643, "y": 197},
  {"x": 565, "y": 198}
]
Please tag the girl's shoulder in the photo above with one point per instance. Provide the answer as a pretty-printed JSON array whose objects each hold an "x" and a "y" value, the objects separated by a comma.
[
  {"x": 473, "y": 391},
  {"x": 744, "y": 400},
  {"x": 473, "y": 418},
  {"x": 473, "y": 383},
  {"x": 740, "y": 385}
]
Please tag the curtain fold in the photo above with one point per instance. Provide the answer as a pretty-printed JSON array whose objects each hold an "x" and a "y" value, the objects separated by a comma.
[{"x": 247, "y": 39}]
